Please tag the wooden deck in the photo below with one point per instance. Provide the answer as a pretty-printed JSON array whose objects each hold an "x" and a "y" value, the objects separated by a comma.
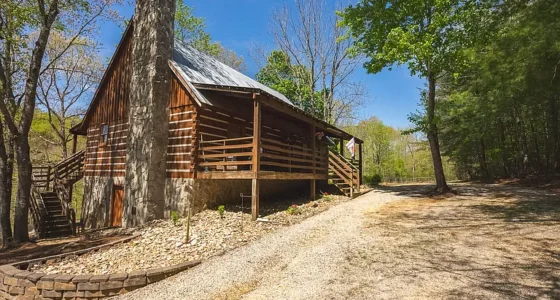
[{"x": 264, "y": 175}]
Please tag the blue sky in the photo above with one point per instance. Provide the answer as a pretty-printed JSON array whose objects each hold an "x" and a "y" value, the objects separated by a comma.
[{"x": 392, "y": 95}]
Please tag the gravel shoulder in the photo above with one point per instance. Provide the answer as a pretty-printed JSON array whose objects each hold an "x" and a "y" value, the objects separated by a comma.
[{"x": 490, "y": 242}]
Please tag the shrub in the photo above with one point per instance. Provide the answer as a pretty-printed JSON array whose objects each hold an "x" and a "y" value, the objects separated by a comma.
[
  {"x": 221, "y": 211},
  {"x": 374, "y": 179},
  {"x": 175, "y": 217},
  {"x": 293, "y": 210}
]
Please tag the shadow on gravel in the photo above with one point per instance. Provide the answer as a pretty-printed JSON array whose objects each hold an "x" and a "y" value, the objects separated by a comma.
[
  {"x": 491, "y": 241},
  {"x": 528, "y": 205}
]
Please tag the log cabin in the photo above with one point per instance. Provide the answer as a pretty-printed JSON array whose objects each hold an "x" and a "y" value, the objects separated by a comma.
[{"x": 228, "y": 134}]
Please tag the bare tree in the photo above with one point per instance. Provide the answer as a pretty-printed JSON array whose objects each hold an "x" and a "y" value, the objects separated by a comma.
[
  {"x": 18, "y": 20},
  {"x": 310, "y": 35},
  {"x": 67, "y": 84}
]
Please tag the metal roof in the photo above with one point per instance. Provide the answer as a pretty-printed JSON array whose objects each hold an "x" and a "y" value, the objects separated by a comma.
[{"x": 197, "y": 67}]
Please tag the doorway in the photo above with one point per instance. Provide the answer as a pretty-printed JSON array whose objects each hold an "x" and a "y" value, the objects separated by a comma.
[{"x": 117, "y": 206}]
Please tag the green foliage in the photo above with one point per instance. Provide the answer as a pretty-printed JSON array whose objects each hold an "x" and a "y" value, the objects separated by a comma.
[
  {"x": 394, "y": 154},
  {"x": 326, "y": 197},
  {"x": 502, "y": 114},
  {"x": 292, "y": 81},
  {"x": 221, "y": 211},
  {"x": 175, "y": 217},
  {"x": 190, "y": 28},
  {"x": 372, "y": 180},
  {"x": 294, "y": 210},
  {"x": 427, "y": 36}
]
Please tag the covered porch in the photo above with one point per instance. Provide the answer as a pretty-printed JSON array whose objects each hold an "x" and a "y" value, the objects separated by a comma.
[{"x": 249, "y": 134}]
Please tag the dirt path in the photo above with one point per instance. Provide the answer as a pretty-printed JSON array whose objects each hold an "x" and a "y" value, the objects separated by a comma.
[{"x": 491, "y": 242}]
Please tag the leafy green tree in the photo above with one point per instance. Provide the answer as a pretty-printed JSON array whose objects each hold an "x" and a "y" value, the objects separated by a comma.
[
  {"x": 25, "y": 29},
  {"x": 281, "y": 75},
  {"x": 393, "y": 154},
  {"x": 502, "y": 113},
  {"x": 428, "y": 36},
  {"x": 190, "y": 28}
]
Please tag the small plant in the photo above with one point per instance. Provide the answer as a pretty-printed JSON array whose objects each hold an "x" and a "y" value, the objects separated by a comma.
[
  {"x": 373, "y": 180},
  {"x": 175, "y": 217},
  {"x": 293, "y": 210},
  {"x": 221, "y": 211}
]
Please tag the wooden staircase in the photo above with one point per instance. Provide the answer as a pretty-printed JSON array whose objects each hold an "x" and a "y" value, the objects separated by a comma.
[
  {"x": 51, "y": 201},
  {"x": 343, "y": 174}
]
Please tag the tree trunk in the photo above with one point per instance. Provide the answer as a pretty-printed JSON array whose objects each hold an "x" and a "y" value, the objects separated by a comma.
[
  {"x": 441, "y": 184},
  {"x": 555, "y": 132},
  {"x": 483, "y": 162},
  {"x": 10, "y": 167},
  {"x": 148, "y": 112},
  {"x": 21, "y": 220},
  {"x": 21, "y": 131},
  {"x": 5, "y": 197}
]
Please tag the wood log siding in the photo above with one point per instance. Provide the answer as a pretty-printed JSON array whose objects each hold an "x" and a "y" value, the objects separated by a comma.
[
  {"x": 179, "y": 148},
  {"x": 182, "y": 132},
  {"x": 280, "y": 153},
  {"x": 112, "y": 105},
  {"x": 108, "y": 159}
]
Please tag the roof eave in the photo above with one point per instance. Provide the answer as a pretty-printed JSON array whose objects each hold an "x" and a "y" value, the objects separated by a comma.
[{"x": 296, "y": 109}]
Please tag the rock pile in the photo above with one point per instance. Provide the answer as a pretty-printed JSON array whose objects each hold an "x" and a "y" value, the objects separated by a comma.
[{"x": 163, "y": 243}]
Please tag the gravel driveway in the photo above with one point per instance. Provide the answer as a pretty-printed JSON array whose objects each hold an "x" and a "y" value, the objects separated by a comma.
[{"x": 393, "y": 244}]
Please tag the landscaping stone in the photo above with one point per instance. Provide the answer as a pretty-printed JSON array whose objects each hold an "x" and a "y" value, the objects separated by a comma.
[
  {"x": 88, "y": 286},
  {"x": 81, "y": 278},
  {"x": 162, "y": 244}
]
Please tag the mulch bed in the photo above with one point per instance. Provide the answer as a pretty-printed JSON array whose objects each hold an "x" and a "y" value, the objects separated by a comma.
[{"x": 27, "y": 251}]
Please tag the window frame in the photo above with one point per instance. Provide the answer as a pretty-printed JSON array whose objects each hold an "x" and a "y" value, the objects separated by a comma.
[{"x": 103, "y": 137}]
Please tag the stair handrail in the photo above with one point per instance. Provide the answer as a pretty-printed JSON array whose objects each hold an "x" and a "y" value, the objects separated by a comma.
[
  {"x": 345, "y": 160},
  {"x": 357, "y": 174},
  {"x": 38, "y": 208},
  {"x": 69, "y": 165},
  {"x": 345, "y": 170},
  {"x": 64, "y": 198}
]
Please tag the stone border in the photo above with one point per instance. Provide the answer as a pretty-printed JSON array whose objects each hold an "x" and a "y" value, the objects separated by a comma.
[{"x": 19, "y": 284}]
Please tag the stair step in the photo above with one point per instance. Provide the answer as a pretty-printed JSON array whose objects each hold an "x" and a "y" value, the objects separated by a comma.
[
  {"x": 57, "y": 227},
  {"x": 56, "y": 218},
  {"x": 57, "y": 234}
]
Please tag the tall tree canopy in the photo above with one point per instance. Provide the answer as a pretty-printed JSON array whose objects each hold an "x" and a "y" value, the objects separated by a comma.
[
  {"x": 25, "y": 30},
  {"x": 311, "y": 42},
  {"x": 428, "y": 36},
  {"x": 502, "y": 114},
  {"x": 291, "y": 80}
]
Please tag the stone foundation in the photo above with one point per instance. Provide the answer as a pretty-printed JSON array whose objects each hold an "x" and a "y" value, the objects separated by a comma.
[
  {"x": 96, "y": 204},
  {"x": 182, "y": 193}
]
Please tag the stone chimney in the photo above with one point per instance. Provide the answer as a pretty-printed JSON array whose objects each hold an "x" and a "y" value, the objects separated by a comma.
[{"x": 148, "y": 112}]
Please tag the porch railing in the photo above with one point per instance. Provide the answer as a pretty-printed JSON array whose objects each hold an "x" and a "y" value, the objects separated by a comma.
[
  {"x": 344, "y": 169},
  {"x": 291, "y": 158},
  {"x": 226, "y": 154},
  {"x": 236, "y": 154}
]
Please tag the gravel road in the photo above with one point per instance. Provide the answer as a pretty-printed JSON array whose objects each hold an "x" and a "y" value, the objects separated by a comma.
[
  {"x": 298, "y": 262},
  {"x": 489, "y": 242}
]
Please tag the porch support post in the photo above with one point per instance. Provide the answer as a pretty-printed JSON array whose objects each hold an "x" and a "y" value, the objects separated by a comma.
[
  {"x": 313, "y": 164},
  {"x": 341, "y": 146},
  {"x": 361, "y": 161},
  {"x": 256, "y": 157},
  {"x": 74, "y": 143}
]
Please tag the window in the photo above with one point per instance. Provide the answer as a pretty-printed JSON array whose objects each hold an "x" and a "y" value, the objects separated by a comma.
[{"x": 104, "y": 133}]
